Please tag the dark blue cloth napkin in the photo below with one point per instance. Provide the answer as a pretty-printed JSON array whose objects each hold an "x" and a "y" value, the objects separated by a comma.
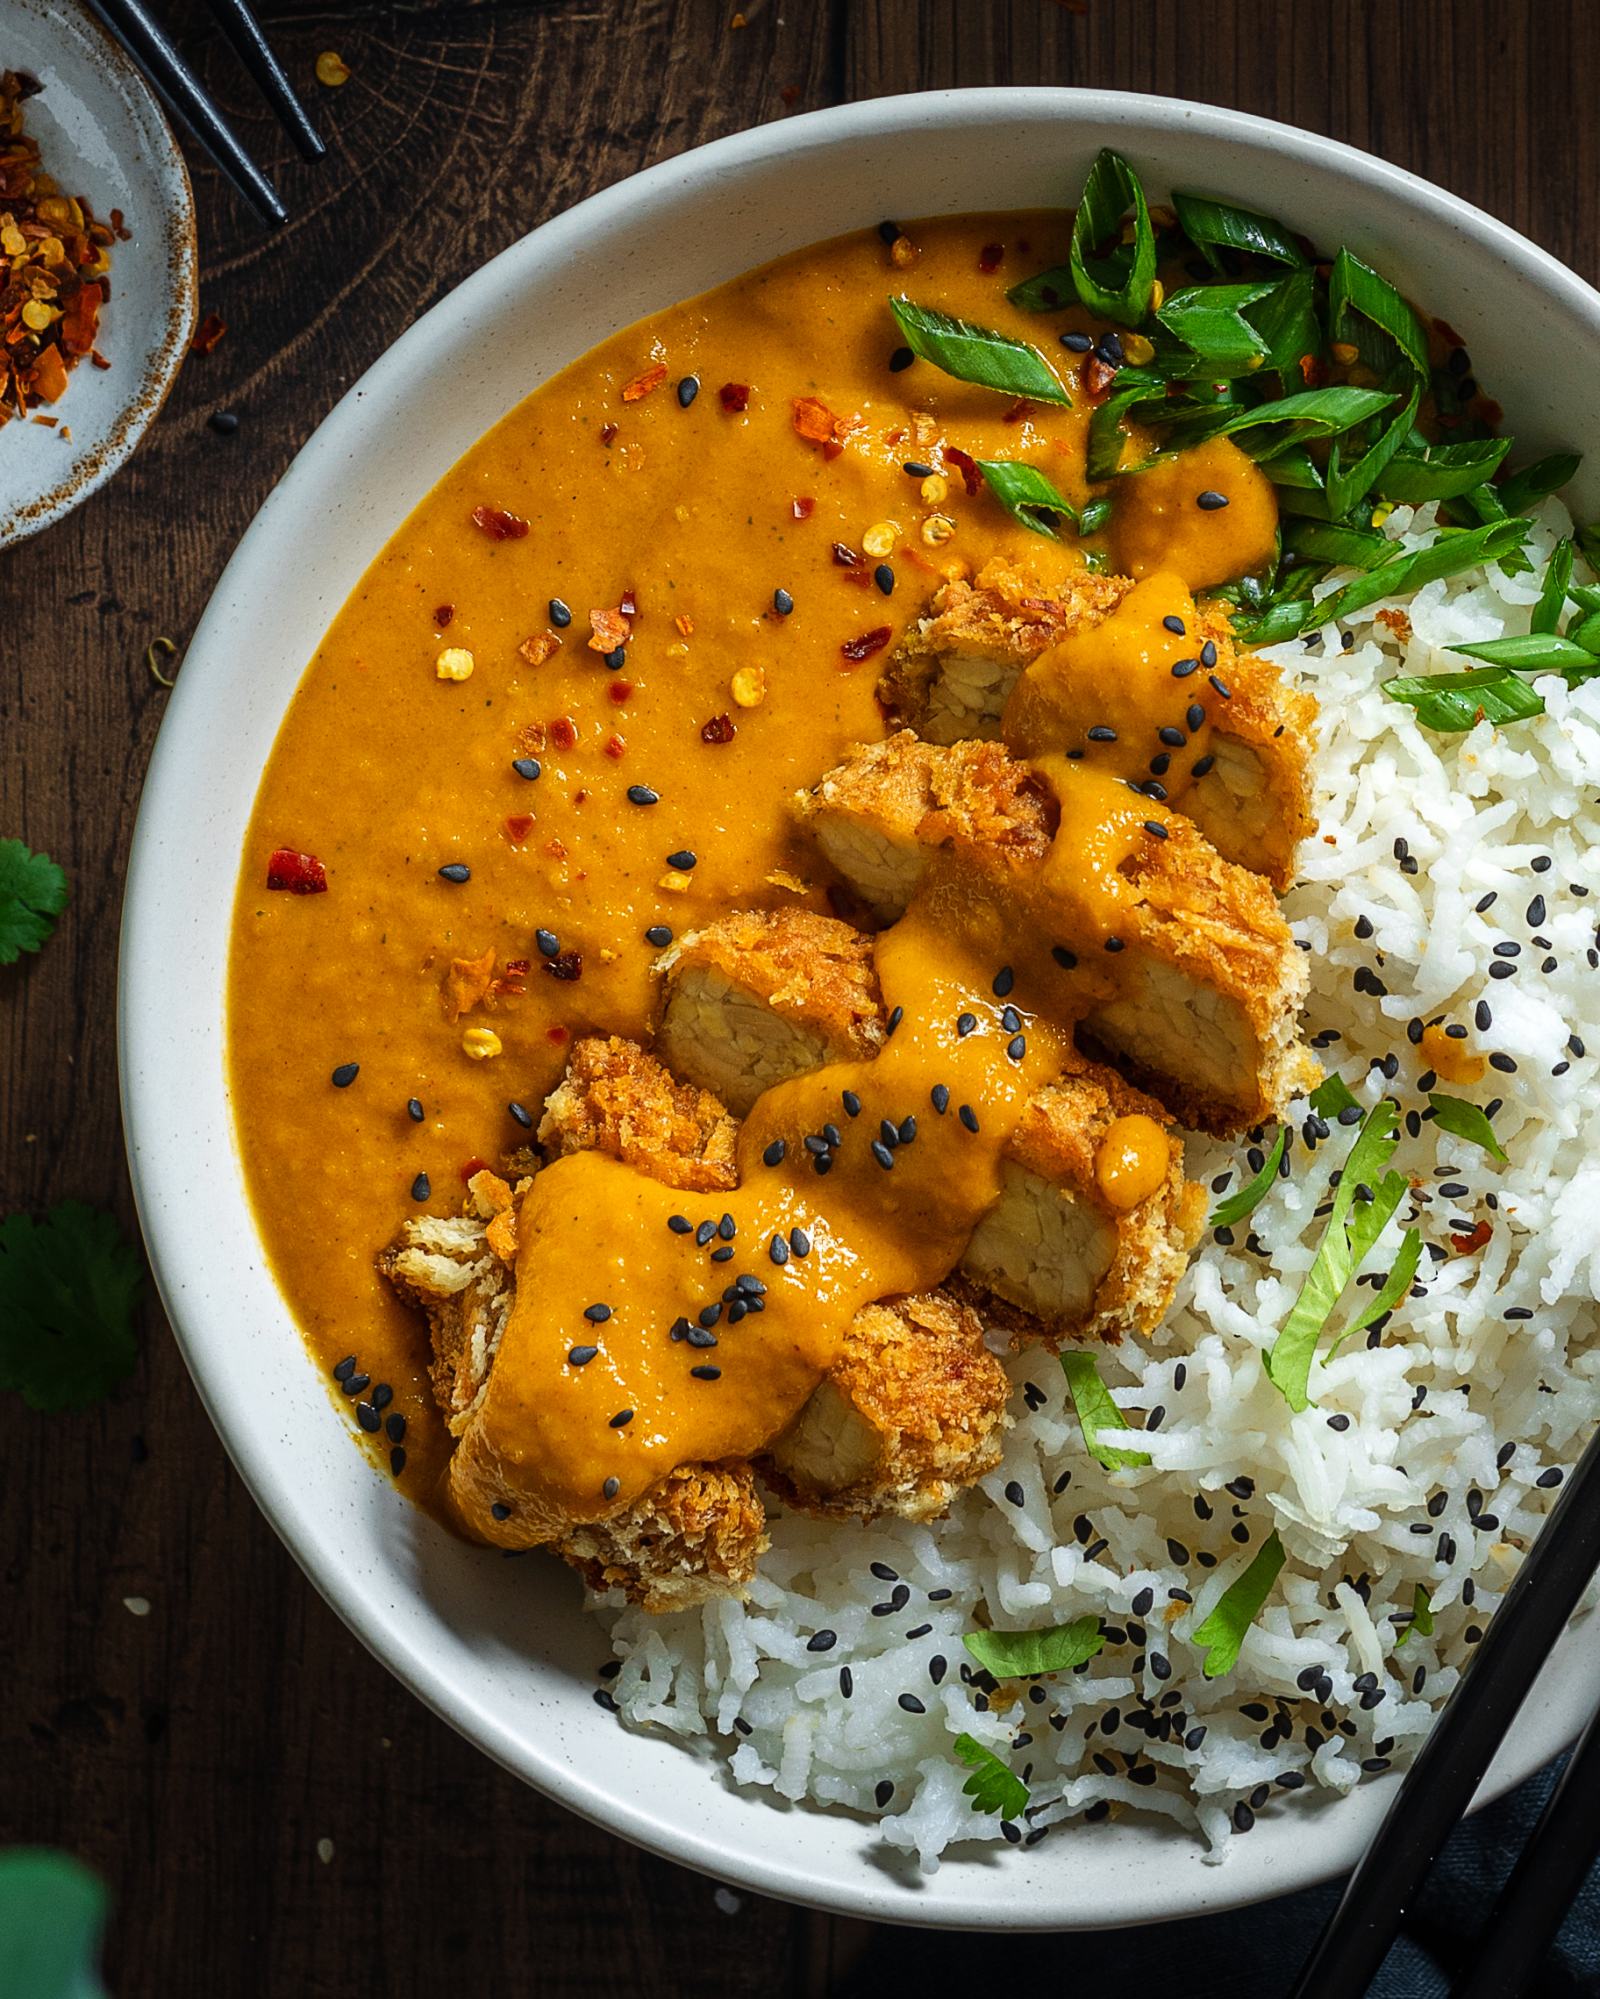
[{"x": 1255, "y": 1953}]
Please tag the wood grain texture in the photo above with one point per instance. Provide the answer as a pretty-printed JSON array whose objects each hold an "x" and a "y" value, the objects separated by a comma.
[{"x": 198, "y": 1754}]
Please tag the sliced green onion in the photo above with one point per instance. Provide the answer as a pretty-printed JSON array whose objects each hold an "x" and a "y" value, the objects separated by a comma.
[
  {"x": 1538, "y": 481},
  {"x": 1046, "y": 291},
  {"x": 1118, "y": 288},
  {"x": 1209, "y": 320},
  {"x": 1354, "y": 287},
  {"x": 1452, "y": 703},
  {"x": 1442, "y": 471},
  {"x": 1027, "y": 495},
  {"x": 977, "y": 354},
  {"x": 1344, "y": 547},
  {"x": 1532, "y": 652},
  {"x": 1217, "y": 225},
  {"x": 1546, "y": 615},
  {"x": 1348, "y": 485}
]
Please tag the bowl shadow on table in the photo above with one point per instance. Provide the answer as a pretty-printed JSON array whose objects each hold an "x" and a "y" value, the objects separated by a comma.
[{"x": 512, "y": 1609}]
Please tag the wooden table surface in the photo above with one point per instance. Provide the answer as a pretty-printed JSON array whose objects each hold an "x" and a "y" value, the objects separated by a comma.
[{"x": 200, "y": 1754}]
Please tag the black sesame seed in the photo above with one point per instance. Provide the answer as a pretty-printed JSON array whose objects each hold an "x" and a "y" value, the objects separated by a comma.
[
  {"x": 528, "y": 767},
  {"x": 641, "y": 794},
  {"x": 397, "y": 1461},
  {"x": 1173, "y": 738},
  {"x": 611, "y": 1488},
  {"x": 1155, "y": 829},
  {"x": 968, "y": 1117},
  {"x": 357, "y": 1384},
  {"x": 683, "y": 860},
  {"x": 939, "y": 1097},
  {"x": 345, "y": 1075},
  {"x": 1174, "y": 624},
  {"x": 896, "y": 1015},
  {"x": 782, "y": 603},
  {"x": 883, "y": 576},
  {"x": 659, "y": 935},
  {"x": 547, "y": 943},
  {"x": 1004, "y": 980},
  {"x": 847, "y": 1683},
  {"x": 707, "y": 1373},
  {"x": 456, "y": 871},
  {"x": 1067, "y": 960},
  {"x": 915, "y": 469},
  {"x": 1101, "y": 733},
  {"x": 727, "y": 1228},
  {"x": 688, "y": 389},
  {"x": 1201, "y": 766},
  {"x": 965, "y": 1023},
  {"x": 1182, "y": 668},
  {"x": 911, "y": 1704},
  {"x": 223, "y": 422},
  {"x": 615, "y": 660},
  {"x": 799, "y": 1242},
  {"x": 367, "y": 1417},
  {"x": 882, "y": 1154},
  {"x": 1077, "y": 343},
  {"x": 822, "y": 1641},
  {"x": 500, "y": 1510},
  {"x": 560, "y": 614},
  {"x": 900, "y": 360},
  {"x": 581, "y": 1356},
  {"x": 1551, "y": 1478},
  {"x": 679, "y": 1224},
  {"x": 421, "y": 1187},
  {"x": 621, "y": 1420},
  {"x": 722, "y": 1254}
]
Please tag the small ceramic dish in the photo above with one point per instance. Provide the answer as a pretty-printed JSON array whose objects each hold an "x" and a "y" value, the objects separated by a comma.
[
  {"x": 101, "y": 134},
  {"x": 505, "y": 1651}
]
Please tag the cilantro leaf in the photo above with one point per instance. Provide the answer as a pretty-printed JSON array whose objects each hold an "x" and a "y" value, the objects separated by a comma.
[
  {"x": 1351, "y": 1231},
  {"x": 1242, "y": 1203},
  {"x": 1097, "y": 1412},
  {"x": 992, "y": 1787},
  {"x": 1332, "y": 1095},
  {"x": 1421, "y": 1617},
  {"x": 33, "y": 893},
  {"x": 1222, "y": 1632},
  {"x": 68, "y": 1287},
  {"x": 1463, "y": 1120},
  {"x": 1011, "y": 1655}
]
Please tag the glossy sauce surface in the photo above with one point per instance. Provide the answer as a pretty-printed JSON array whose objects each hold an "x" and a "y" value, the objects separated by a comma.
[{"x": 728, "y": 533}]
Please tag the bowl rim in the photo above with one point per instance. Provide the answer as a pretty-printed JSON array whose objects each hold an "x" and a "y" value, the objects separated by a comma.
[{"x": 177, "y": 1258}]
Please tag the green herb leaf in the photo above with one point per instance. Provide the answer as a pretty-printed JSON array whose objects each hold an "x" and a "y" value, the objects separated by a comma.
[
  {"x": 1334, "y": 542},
  {"x": 33, "y": 893},
  {"x": 1553, "y": 590},
  {"x": 1047, "y": 291},
  {"x": 1222, "y": 1632},
  {"x": 1094, "y": 516},
  {"x": 1421, "y": 1617},
  {"x": 1351, "y": 1231},
  {"x": 1097, "y": 1413},
  {"x": 1287, "y": 322},
  {"x": 1117, "y": 288},
  {"x": 977, "y": 354},
  {"x": 68, "y": 1287},
  {"x": 1442, "y": 471},
  {"x": 1455, "y": 550},
  {"x": 1026, "y": 494},
  {"x": 1106, "y": 435},
  {"x": 1532, "y": 652},
  {"x": 1355, "y": 288},
  {"x": 1012, "y": 1655},
  {"x": 1331, "y": 1096},
  {"x": 1217, "y": 225},
  {"x": 1348, "y": 485},
  {"x": 1246, "y": 1199},
  {"x": 1309, "y": 413},
  {"x": 992, "y": 1787},
  {"x": 1463, "y": 1120},
  {"x": 1295, "y": 468},
  {"x": 1209, "y": 320},
  {"x": 1538, "y": 481},
  {"x": 1393, "y": 1288},
  {"x": 1452, "y": 703}
]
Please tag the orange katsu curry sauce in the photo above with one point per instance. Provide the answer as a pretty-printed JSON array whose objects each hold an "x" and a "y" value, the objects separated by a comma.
[{"x": 557, "y": 726}]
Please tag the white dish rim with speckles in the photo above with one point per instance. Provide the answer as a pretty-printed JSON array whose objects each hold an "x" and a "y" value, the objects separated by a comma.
[{"x": 502, "y": 1651}]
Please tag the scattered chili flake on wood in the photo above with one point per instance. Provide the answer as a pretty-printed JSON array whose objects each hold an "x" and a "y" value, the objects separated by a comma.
[
  {"x": 642, "y": 383},
  {"x": 734, "y": 396},
  {"x": 208, "y": 334},
  {"x": 565, "y": 965},
  {"x": 53, "y": 257},
  {"x": 608, "y": 630},
  {"x": 966, "y": 465},
  {"x": 720, "y": 729},
  {"x": 1466, "y": 1244},
  {"x": 856, "y": 650},
  {"x": 300, "y": 874},
  {"x": 498, "y": 525},
  {"x": 542, "y": 646}
]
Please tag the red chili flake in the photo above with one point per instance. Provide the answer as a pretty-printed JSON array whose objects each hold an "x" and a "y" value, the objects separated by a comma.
[
  {"x": 519, "y": 825},
  {"x": 868, "y": 643},
  {"x": 565, "y": 965},
  {"x": 563, "y": 732},
  {"x": 859, "y": 577},
  {"x": 616, "y": 748},
  {"x": 607, "y": 432},
  {"x": 443, "y": 615},
  {"x": 844, "y": 555},
  {"x": 991, "y": 257},
  {"x": 642, "y": 383},
  {"x": 734, "y": 396},
  {"x": 628, "y": 604},
  {"x": 966, "y": 465},
  {"x": 498, "y": 525},
  {"x": 300, "y": 874},
  {"x": 1096, "y": 376},
  {"x": 720, "y": 729},
  {"x": 1019, "y": 409},
  {"x": 471, "y": 1166},
  {"x": 802, "y": 507},
  {"x": 1466, "y": 1244},
  {"x": 555, "y": 1034},
  {"x": 512, "y": 982},
  {"x": 208, "y": 333},
  {"x": 557, "y": 849},
  {"x": 619, "y": 690}
]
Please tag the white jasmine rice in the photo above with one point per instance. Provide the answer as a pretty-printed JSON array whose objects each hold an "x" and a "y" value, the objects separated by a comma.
[{"x": 1434, "y": 1445}]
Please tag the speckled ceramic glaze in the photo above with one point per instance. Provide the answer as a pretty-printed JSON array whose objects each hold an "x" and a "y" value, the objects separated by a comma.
[
  {"x": 101, "y": 134},
  {"x": 503, "y": 1650}
]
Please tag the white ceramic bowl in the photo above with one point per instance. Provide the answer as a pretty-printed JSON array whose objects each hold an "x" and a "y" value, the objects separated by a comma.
[
  {"x": 504, "y": 1652},
  {"x": 101, "y": 133}
]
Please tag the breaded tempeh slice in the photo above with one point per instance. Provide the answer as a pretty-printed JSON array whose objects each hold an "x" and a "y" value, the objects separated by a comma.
[
  {"x": 913, "y": 1410},
  {"x": 757, "y": 997},
  {"x": 697, "y": 1535},
  {"x": 1054, "y": 1246},
  {"x": 1209, "y": 985},
  {"x": 953, "y": 674},
  {"x": 615, "y": 1099},
  {"x": 950, "y": 675},
  {"x": 878, "y": 815}
]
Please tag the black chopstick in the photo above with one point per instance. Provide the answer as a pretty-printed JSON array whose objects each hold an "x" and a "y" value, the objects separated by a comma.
[
  {"x": 255, "y": 52},
  {"x": 1440, "y": 1784},
  {"x": 149, "y": 46},
  {"x": 1516, "y": 1937}
]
